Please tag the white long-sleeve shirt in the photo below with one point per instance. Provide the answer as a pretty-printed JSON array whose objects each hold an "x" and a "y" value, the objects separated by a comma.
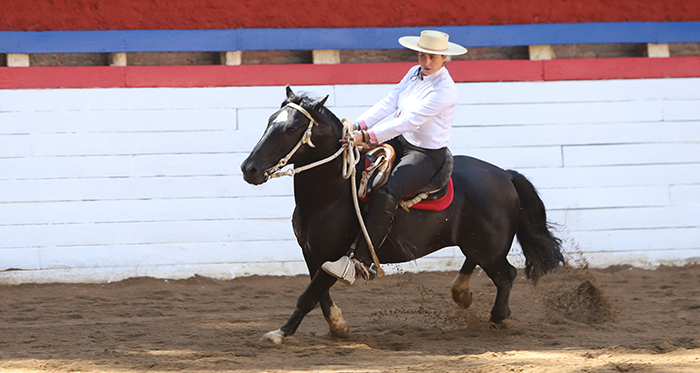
[{"x": 424, "y": 110}]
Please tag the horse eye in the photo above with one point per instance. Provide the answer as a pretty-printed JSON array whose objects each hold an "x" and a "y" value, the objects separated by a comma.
[{"x": 290, "y": 130}]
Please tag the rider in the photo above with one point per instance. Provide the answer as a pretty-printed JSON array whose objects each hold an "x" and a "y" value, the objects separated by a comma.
[{"x": 423, "y": 104}]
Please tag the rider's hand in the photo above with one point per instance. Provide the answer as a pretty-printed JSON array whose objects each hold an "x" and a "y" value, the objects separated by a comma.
[{"x": 357, "y": 135}]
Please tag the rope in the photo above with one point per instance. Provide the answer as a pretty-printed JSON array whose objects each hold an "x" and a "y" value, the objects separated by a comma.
[
  {"x": 356, "y": 202},
  {"x": 351, "y": 157}
]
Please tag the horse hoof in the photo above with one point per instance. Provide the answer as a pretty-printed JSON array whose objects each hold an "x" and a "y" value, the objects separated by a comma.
[
  {"x": 275, "y": 337},
  {"x": 463, "y": 298},
  {"x": 499, "y": 325},
  {"x": 337, "y": 324}
]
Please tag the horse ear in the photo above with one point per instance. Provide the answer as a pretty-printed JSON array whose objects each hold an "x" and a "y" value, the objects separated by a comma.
[
  {"x": 290, "y": 93},
  {"x": 318, "y": 104}
]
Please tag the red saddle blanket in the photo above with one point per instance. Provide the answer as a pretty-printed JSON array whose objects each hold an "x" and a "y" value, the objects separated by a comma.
[{"x": 438, "y": 204}]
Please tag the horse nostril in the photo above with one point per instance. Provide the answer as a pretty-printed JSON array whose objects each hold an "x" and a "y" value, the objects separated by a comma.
[{"x": 248, "y": 170}]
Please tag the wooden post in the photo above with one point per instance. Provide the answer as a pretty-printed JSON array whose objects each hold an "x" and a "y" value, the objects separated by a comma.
[
  {"x": 541, "y": 52},
  {"x": 234, "y": 58},
  {"x": 117, "y": 59},
  {"x": 658, "y": 50},
  {"x": 17, "y": 60},
  {"x": 326, "y": 56}
]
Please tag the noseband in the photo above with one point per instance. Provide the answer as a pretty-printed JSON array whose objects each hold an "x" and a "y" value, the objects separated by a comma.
[{"x": 306, "y": 139}]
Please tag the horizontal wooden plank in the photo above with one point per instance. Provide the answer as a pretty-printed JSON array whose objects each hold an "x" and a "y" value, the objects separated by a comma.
[
  {"x": 638, "y": 258},
  {"x": 614, "y": 176},
  {"x": 682, "y": 195},
  {"x": 171, "y": 254},
  {"x": 688, "y": 110},
  {"x": 364, "y": 95},
  {"x": 20, "y": 258},
  {"x": 522, "y": 157},
  {"x": 561, "y": 91},
  {"x": 73, "y": 144},
  {"x": 118, "y": 188},
  {"x": 485, "y": 136},
  {"x": 146, "y": 210},
  {"x": 19, "y": 145},
  {"x": 113, "y": 99},
  {"x": 160, "y": 165},
  {"x": 604, "y": 197},
  {"x": 680, "y": 89},
  {"x": 601, "y": 155},
  {"x": 94, "y": 234},
  {"x": 685, "y": 216},
  {"x": 93, "y": 121},
  {"x": 559, "y": 113},
  {"x": 143, "y": 98},
  {"x": 649, "y": 240}
]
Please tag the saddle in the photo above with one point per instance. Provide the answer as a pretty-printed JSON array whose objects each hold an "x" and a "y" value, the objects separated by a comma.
[{"x": 436, "y": 195}]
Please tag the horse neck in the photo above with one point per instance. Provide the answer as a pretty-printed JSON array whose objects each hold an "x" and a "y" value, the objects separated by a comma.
[{"x": 324, "y": 183}]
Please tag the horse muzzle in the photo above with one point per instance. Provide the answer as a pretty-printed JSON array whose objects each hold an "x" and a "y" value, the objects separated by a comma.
[{"x": 253, "y": 174}]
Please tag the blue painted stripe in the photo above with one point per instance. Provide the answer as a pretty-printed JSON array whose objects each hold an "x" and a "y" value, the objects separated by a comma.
[
  {"x": 340, "y": 38},
  {"x": 679, "y": 32},
  {"x": 117, "y": 41}
]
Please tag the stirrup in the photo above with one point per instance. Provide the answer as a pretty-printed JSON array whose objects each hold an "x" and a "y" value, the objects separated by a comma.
[{"x": 343, "y": 269}]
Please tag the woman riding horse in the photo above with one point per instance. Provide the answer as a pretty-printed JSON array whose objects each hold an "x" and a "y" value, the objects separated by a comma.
[{"x": 424, "y": 104}]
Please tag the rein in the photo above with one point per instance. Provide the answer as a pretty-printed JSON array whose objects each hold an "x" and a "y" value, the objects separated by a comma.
[{"x": 351, "y": 157}]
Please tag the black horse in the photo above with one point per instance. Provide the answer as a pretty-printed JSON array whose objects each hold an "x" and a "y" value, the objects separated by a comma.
[{"x": 490, "y": 207}]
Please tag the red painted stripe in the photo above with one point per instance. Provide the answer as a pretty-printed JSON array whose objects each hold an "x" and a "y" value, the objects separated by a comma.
[
  {"x": 265, "y": 75},
  {"x": 496, "y": 70},
  {"x": 61, "y": 77},
  {"x": 621, "y": 68},
  {"x": 366, "y": 73}
]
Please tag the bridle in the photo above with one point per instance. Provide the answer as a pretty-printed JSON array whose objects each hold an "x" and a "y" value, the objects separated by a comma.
[{"x": 351, "y": 157}]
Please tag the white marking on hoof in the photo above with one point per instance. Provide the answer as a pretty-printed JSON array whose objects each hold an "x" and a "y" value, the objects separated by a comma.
[
  {"x": 337, "y": 324},
  {"x": 275, "y": 336},
  {"x": 460, "y": 290}
]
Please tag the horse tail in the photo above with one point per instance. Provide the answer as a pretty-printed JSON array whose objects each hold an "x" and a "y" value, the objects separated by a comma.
[{"x": 541, "y": 248}]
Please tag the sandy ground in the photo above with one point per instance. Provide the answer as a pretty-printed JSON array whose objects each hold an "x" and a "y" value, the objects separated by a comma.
[{"x": 619, "y": 319}]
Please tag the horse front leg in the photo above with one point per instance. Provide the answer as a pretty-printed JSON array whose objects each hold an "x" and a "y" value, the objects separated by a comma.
[
  {"x": 316, "y": 292},
  {"x": 334, "y": 317}
]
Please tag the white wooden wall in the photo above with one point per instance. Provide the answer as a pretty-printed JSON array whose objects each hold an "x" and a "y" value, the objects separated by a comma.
[{"x": 105, "y": 184}]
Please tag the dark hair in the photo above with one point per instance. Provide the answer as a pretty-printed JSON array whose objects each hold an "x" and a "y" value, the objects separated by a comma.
[{"x": 417, "y": 75}]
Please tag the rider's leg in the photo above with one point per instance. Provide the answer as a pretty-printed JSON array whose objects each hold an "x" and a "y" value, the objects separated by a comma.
[{"x": 413, "y": 170}]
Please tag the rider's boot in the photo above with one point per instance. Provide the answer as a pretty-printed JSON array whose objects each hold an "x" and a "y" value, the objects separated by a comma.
[{"x": 382, "y": 206}]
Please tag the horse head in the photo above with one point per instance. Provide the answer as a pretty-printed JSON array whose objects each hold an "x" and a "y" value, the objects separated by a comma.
[{"x": 290, "y": 137}]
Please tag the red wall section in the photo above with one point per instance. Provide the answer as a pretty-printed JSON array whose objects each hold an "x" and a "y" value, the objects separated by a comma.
[
  {"x": 43, "y": 15},
  {"x": 355, "y": 73}
]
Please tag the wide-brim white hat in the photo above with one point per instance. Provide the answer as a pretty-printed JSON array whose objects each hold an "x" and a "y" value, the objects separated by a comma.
[{"x": 433, "y": 42}]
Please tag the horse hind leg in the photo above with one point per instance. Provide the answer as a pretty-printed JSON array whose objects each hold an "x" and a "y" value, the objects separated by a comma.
[
  {"x": 460, "y": 285},
  {"x": 502, "y": 274}
]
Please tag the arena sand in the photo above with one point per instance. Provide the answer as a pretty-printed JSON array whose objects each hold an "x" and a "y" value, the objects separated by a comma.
[{"x": 619, "y": 319}]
